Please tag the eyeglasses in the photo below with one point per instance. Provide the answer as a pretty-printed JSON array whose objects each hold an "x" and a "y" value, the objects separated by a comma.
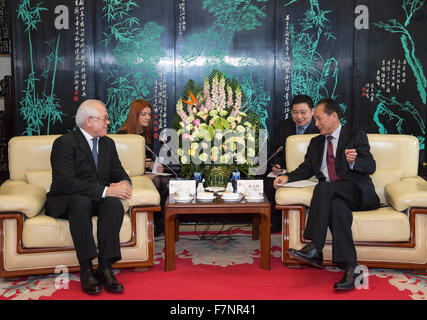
[{"x": 104, "y": 118}]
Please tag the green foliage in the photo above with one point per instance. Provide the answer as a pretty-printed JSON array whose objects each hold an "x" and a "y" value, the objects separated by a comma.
[
  {"x": 215, "y": 130},
  {"x": 137, "y": 52},
  {"x": 312, "y": 75},
  {"x": 393, "y": 26},
  {"x": 30, "y": 16},
  {"x": 214, "y": 43},
  {"x": 39, "y": 109},
  {"x": 391, "y": 113}
]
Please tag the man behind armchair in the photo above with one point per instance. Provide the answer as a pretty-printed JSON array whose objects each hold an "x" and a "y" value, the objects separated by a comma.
[
  {"x": 340, "y": 158},
  {"x": 89, "y": 180},
  {"x": 301, "y": 122}
]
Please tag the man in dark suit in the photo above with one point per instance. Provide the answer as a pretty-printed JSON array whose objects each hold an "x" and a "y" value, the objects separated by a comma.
[
  {"x": 340, "y": 158},
  {"x": 89, "y": 180},
  {"x": 302, "y": 122}
]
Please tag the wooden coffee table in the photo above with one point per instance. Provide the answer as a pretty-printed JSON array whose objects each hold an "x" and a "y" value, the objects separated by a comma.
[{"x": 218, "y": 206}]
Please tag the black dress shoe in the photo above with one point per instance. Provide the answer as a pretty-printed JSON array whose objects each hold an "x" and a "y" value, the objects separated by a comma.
[
  {"x": 274, "y": 228},
  {"x": 108, "y": 280},
  {"x": 348, "y": 279},
  {"x": 89, "y": 282},
  {"x": 158, "y": 228},
  {"x": 308, "y": 254},
  {"x": 157, "y": 231}
]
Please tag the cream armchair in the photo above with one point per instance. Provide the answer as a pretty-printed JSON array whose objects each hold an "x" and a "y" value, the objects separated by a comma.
[
  {"x": 393, "y": 236},
  {"x": 33, "y": 243}
]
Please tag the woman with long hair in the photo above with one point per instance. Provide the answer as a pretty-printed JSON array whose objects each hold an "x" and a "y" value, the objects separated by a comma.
[{"x": 139, "y": 121}]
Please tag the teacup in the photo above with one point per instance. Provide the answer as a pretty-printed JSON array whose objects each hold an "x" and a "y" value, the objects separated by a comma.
[
  {"x": 253, "y": 194},
  {"x": 183, "y": 194}
]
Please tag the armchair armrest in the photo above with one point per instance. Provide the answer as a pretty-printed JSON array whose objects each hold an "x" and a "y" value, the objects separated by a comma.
[
  {"x": 19, "y": 196},
  {"x": 407, "y": 193},
  {"x": 144, "y": 193},
  {"x": 292, "y": 196}
]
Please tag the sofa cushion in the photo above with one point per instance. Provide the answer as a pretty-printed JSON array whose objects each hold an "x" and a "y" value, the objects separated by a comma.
[
  {"x": 381, "y": 178},
  {"x": 43, "y": 231},
  {"x": 382, "y": 225}
]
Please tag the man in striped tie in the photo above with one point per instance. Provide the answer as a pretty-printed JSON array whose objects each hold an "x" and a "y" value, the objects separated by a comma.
[
  {"x": 89, "y": 180},
  {"x": 340, "y": 158}
]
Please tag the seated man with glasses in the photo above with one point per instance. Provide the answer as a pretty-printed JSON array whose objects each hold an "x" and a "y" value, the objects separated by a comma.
[
  {"x": 301, "y": 122},
  {"x": 89, "y": 180}
]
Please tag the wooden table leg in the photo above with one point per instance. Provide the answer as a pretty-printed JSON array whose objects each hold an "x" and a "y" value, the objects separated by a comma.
[
  {"x": 265, "y": 244},
  {"x": 170, "y": 216},
  {"x": 176, "y": 228},
  {"x": 255, "y": 226}
]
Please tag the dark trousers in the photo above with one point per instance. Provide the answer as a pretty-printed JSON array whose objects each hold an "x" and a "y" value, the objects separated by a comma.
[
  {"x": 270, "y": 192},
  {"x": 162, "y": 185},
  {"x": 79, "y": 213},
  {"x": 331, "y": 206}
]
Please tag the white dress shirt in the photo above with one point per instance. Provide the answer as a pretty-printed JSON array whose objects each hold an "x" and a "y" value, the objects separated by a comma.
[
  {"x": 90, "y": 142},
  {"x": 335, "y": 137}
]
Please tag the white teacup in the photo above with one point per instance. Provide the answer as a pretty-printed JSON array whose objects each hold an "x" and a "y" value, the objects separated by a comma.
[
  {"x": 253, "y": 194},
  {"x": 183, "y": 194}
]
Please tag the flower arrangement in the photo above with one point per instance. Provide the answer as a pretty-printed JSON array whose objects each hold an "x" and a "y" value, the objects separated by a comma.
[{"x": 214, "y": 128}]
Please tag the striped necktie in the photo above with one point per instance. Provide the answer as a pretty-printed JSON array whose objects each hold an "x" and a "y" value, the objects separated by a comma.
[
  {"x": 330, "y": 161},
  {"x": 95, "y": 151},
  {"x": 300, "y": 130}
]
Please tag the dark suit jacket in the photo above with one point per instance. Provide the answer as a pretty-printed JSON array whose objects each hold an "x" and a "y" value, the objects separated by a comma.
[
  {"x": 363, "y": 167},
  {"x": 281, "y": 132},
  {"x": 74, "y": 170}
]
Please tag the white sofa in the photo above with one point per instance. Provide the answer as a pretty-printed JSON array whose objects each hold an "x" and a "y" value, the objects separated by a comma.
[
  {"x": 393, "y": 236},
  {"x": 33, "y": 243}
]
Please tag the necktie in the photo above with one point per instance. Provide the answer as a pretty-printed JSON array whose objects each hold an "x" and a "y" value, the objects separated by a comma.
[
  {"x": 300, "y": 130},
  {"x": 95, "y": 151},
  {"x": 330, "y": 161}
]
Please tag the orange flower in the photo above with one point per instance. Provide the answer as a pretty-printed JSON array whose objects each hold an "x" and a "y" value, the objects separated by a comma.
[{"x": 193, "y": 99}]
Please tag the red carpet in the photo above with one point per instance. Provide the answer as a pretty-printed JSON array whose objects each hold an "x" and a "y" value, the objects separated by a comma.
[{"x": 225, "y": 269}]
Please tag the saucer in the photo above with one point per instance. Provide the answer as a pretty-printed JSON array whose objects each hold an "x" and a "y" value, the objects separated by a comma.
[
  {"x": 230, "y": 196},
  {"x": 227, "y": 194},
  {"x": 254, "y": 199},
  {"x": 258, "y": 197},
  {"x": 205, "y": 196},
  {"x": 183, "y": 199},
  {"x": 205, "y": 199}
]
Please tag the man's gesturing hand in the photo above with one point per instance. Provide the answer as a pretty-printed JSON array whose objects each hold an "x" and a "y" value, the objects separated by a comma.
[
  {"x": 121, "y": 190},
  {"x": 350, "y": 155}
]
